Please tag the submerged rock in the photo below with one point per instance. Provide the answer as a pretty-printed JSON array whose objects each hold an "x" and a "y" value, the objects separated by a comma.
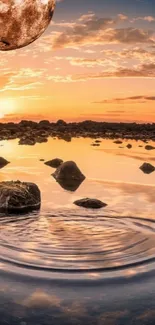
[
  {"x": 54, "y": 163},
  {"x": 147, "y": 168},
  {"x": 68, "y": 171},
  {"x": 148, "y": 147},
  {"x": 90, "y": 203},
  {"x": 19, "y": 197},
  {"x": 3, "y": 162}
]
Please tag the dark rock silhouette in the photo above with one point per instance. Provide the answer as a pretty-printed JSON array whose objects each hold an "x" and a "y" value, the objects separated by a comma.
[
  {"x": 90, "y": 203},
  {"x": 147, "y": 168},
  {"x": 27, "y": 141},
  {"x": 68, "y": 171},
  {"x": 41, "y": 139},
  {"x": 61, "y": 123},
  {"x": 17, "y": 197},
  {"x": 3, "y": 162},
  {"x": 44, "y": 123},
  {"x": 95, "y": 144},
  {"x": 54, "y": 163},
  {"x": 148, "y": 147},
  {"x": 118, "y": 142},
  {"x": 29, "y": 131},
  {"x": 129, "y": 146}
]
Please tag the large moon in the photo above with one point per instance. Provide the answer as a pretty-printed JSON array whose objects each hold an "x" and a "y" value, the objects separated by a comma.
[{"x": 23, "y": 21}]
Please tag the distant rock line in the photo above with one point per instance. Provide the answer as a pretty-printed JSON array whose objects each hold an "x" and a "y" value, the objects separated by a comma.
[{"x": 30, "y": 133}]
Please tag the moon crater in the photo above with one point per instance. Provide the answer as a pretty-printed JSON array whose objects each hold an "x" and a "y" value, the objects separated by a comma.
[{"x": 23, "y": 21}]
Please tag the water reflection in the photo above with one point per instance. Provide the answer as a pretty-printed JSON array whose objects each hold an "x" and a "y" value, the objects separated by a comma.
[
  {"x": 71, "y": 265},
  {"x": 69, "y": 185}
]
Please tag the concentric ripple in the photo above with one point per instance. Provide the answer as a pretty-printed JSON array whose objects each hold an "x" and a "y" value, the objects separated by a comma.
[{"x": 74, "y": 243}]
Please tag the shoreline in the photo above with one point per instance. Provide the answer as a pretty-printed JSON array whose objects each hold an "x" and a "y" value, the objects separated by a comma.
[{"x": 30, "y": 132}]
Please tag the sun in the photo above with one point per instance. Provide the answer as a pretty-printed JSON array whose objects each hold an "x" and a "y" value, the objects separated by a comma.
[{"x": 7, "y": 106}]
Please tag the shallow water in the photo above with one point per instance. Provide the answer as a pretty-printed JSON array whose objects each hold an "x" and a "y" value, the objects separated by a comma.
[{"x": 69, "y": 265}]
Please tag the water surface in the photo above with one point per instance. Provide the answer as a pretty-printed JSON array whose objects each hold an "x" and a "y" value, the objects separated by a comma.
[{"x": 70, "y": 265}]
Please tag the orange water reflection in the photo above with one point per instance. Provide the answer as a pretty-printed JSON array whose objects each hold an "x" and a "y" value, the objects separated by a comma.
[{"x": 112, "y": 173}]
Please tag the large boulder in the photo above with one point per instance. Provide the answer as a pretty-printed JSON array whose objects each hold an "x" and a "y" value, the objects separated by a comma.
[
  {"x": 17, "y": 197},
  {"x": 147, "y": 168},
  {"x": 54, "y": 163},
  {"x": 3, "y": 162},
  {"x": 68, "y": 171},
  {"x": 90, "y": 203}
]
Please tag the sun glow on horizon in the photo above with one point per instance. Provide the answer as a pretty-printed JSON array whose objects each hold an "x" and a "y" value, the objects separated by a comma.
[{"x": 7, "y": 106}]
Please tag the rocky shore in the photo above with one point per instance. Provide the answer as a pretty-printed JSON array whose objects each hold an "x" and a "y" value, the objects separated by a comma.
[{"x": 30, "y": 133}]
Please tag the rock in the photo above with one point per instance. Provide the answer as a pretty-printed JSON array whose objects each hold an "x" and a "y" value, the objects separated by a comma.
[
  {"x": 148, "y": 147},
  {"x": 98, "y": 141},
  {"x": 61, "y": 123},
  {"x": 3, "y": 162},
  {"x": 42, "y": 159},
  {"x": 147, "y": 168},
  {"x": 54, "y": 163},
  {"x": 129, "y": 146},
  {"x": 90, "y": 203},
  {"x": 66, "y": 137},
  {"x": 118, "y": 142},
  {"x": 95, "y": 144},
  {"x": 68, "y": 171},
  {"x": 41, "y": 139},
  {"x": 44, "y": 123},
  {"x": 17, "y": 197},
  {"x": 27, "y": 141}
]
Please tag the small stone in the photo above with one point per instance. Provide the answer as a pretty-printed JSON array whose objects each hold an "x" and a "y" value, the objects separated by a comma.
[
  {"x": 118, "y": 142},
  {"x": 147, "y": 168},
  {"x": 90, "y": 203},
  {"x": 129, "y": 146},
  {"x": 54, "y": 163},
  {"x": 148, "y": 147}
]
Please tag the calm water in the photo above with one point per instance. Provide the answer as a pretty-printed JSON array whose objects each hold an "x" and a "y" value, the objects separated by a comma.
[{"x": 68, "y": 265}]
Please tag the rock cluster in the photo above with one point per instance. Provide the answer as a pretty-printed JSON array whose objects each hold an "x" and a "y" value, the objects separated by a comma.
[{"x": 30, "y": 132}]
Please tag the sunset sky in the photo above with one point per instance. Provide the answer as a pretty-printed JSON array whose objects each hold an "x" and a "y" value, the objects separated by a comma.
[{"x": 95, "y": 61}]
